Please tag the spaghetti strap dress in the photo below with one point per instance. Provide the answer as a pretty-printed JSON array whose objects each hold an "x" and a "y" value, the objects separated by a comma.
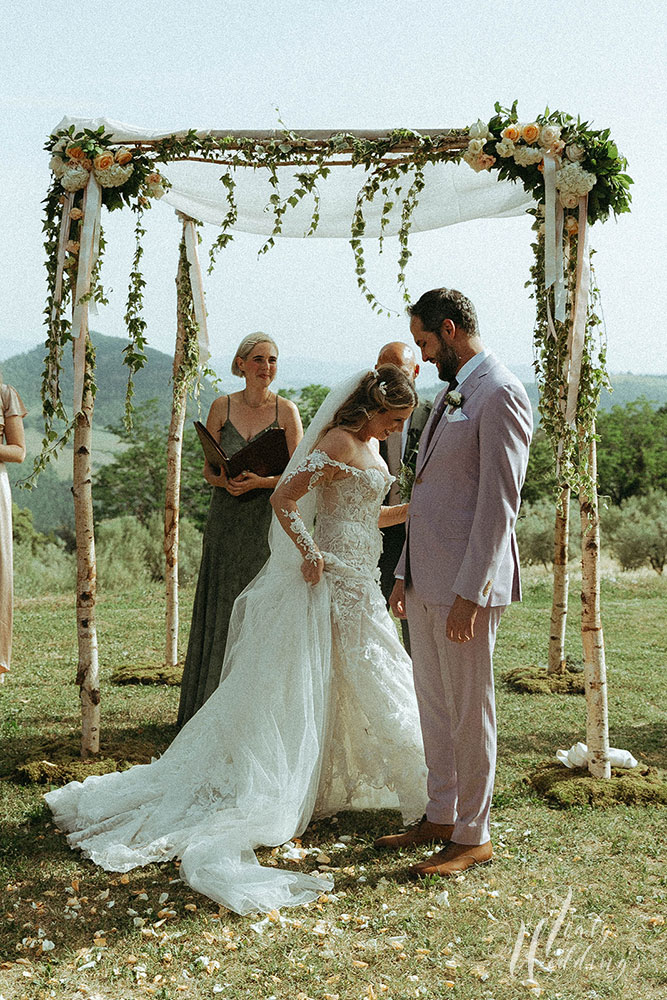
[{"x": 235, "y": 547}]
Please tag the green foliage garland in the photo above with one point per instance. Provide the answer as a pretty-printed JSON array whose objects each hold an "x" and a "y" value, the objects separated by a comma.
[{"x": 392, "y": 164}]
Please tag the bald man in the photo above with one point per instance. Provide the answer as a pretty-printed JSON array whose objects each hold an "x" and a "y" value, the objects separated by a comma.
[{"x": 399, "y": 447}]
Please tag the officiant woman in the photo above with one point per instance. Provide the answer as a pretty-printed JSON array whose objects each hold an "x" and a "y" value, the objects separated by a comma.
[{"x": 235, "y": 545}]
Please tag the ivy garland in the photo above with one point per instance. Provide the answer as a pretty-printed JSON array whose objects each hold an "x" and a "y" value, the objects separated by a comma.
[
  {"x": 186, "y": 377},
  {"x": 587, "y": 160}
]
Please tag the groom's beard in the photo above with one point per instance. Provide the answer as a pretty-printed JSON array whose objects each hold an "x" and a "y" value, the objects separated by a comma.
[{"x": 447, "y": 362}]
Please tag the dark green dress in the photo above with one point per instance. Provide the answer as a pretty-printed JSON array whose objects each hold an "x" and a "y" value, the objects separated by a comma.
[{"x": 235, "y": 547}]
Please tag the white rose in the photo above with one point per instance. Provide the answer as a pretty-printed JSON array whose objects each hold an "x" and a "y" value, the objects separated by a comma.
[
  {"x": 74, "y": 178},
  {"x": 505, "y": 148},
  {"x": 60, "y": 145},
  {"x": 58, "y": 166},
  {"x": 479, "y": 130},
  {"x": 575, "y": 152},
  {"x": 549, "y": 135},
  {"x": 525, "y": 156},
  {"x": 475, "y": 146}
]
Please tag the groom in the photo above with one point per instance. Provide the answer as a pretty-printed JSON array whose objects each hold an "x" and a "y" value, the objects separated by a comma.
[{"x": 458, "y": 571}]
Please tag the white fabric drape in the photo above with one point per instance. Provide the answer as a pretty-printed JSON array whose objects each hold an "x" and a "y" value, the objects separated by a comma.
[{"x": 453, "y": 193}]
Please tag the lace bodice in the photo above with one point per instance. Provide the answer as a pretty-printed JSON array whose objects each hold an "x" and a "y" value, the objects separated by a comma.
[{"x": 348, "y": 509}]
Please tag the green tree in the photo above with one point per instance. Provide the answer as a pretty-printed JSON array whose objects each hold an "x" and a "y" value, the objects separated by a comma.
[
  {"x": 133, "y": 483},
  {"x": 632, "y": 454},
  {"x": 308, "y": 400},
  {"x": 540, "y": 481}
]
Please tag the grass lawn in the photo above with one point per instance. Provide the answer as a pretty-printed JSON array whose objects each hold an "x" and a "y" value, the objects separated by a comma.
[{"x": 70, "y": 930}]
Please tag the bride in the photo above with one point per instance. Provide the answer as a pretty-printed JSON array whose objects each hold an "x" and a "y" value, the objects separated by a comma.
[{"x": 316, "y": 712}]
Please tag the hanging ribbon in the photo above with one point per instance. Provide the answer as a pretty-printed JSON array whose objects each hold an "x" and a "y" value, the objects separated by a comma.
[
  {"x": 578, "y": 328},
  {"x": 92, "y": 210},
  {"x": 197, "y": 285},
  {"x": 63, "y": 237},
  {"x": 560, "y": 294},
  {"x": 553, "y": 238}
]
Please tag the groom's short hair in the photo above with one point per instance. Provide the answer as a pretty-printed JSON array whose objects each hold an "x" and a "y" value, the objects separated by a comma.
[{"x": 445, "y": 303}]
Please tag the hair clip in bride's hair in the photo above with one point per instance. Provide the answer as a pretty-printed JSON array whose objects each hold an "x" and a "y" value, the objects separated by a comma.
[{"x": 382, "y": 387}]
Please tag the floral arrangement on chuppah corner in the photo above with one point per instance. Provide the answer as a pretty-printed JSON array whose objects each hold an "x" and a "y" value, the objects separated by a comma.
[
  {"x": 587, "y": 161},
  {"x": 76, "y": 155}
]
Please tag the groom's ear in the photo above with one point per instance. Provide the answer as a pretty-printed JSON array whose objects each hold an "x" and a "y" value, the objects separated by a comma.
[{"x": 447, "y": 329}]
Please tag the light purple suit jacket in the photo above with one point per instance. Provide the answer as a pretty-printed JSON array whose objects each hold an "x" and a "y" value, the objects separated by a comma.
[{"x": 460, "y": 530}]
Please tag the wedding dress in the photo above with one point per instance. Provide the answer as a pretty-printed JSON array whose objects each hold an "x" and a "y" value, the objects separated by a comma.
[{"x": 316, "y": 713}]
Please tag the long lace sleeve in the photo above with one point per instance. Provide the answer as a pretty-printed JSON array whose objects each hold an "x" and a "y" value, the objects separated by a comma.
[{"x": 316, "y": 466}]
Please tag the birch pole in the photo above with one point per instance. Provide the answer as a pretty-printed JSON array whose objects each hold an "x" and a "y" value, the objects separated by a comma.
[
  {"x": 561, "y": 585},
  {"x": 174, "y": 454},
  {"x": 592, "y": 638},
  {"x": 86, "y": 569}
]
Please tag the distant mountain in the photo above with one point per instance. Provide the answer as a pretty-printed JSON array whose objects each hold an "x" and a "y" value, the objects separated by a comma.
[
  {"x": 24, "y": 371},
  {"x": 154, "y": 381}
]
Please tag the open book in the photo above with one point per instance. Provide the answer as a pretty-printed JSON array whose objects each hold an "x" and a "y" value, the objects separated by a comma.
[{"x": 265, "y": 455}]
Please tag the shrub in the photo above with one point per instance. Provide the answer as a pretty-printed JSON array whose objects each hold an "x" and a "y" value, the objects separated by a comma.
[
  {"x": 47, "y": 569},
  {"x": 189, "y": 549},
  {"x": 535, "y": 532},
  {"x": 121, "y": 545},
  {"x": 637, "y": 531},
  {"x": 41, "y": 565}
]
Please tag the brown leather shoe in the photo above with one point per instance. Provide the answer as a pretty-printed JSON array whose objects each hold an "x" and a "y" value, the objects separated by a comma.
[
  {"x": 453, "y": 859},
  {"x": 423, "y": 832}
]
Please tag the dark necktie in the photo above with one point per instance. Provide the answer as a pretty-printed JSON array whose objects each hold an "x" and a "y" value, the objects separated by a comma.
[{"x": 439, "y": 410}]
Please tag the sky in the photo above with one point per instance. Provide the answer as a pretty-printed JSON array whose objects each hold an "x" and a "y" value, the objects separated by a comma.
[{"x": 338, "y": 65}]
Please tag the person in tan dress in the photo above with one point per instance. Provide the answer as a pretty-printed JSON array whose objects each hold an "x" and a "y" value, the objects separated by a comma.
[{"x": 12, "y": 449}]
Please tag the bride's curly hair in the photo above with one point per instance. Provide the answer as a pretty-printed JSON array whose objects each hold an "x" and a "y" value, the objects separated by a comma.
[{"x": 387, "y": 387}]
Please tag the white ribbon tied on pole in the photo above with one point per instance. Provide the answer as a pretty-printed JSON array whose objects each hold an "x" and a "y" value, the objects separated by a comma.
[
  {"x": 197, "y": 286},
  {"x": 578, "y": 330},
  {"x": 88, "y": 245}
]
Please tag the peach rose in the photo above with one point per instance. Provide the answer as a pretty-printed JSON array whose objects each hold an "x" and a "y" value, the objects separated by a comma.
[
  {"x": 76, "y": 214},
  {"x": 512, "y": 133},
  {"x": 154, "y": 178},
  {"x": 103, "y": 161},
  {"x": 482, "y": 162},
  {"x": 530, "y": 133},
  {"x": 568, "y": 200},
  {"x": 76, "y": 153},
  {"x": 123, "y": 155},
  {"x": 571, "y": 225},
  {"x": 72, "y": 246},
  {"x": 86, "y": 162}
]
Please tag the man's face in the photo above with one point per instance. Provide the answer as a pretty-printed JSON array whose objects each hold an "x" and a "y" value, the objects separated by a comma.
[{"x": 434, "y": 349}]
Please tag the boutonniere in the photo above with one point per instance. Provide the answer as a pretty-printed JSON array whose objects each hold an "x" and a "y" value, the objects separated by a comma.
[{"x": 454, "y": 399}]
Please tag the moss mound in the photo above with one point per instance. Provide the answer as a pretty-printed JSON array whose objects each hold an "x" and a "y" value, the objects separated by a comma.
[
  {"x": 57, "y": 761},
  {"x": 148, "y": 673},
  {"x": 566, "y": 787},
  {"x": 46, "y": 772},
  {"x": 536, "y": 680}
]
